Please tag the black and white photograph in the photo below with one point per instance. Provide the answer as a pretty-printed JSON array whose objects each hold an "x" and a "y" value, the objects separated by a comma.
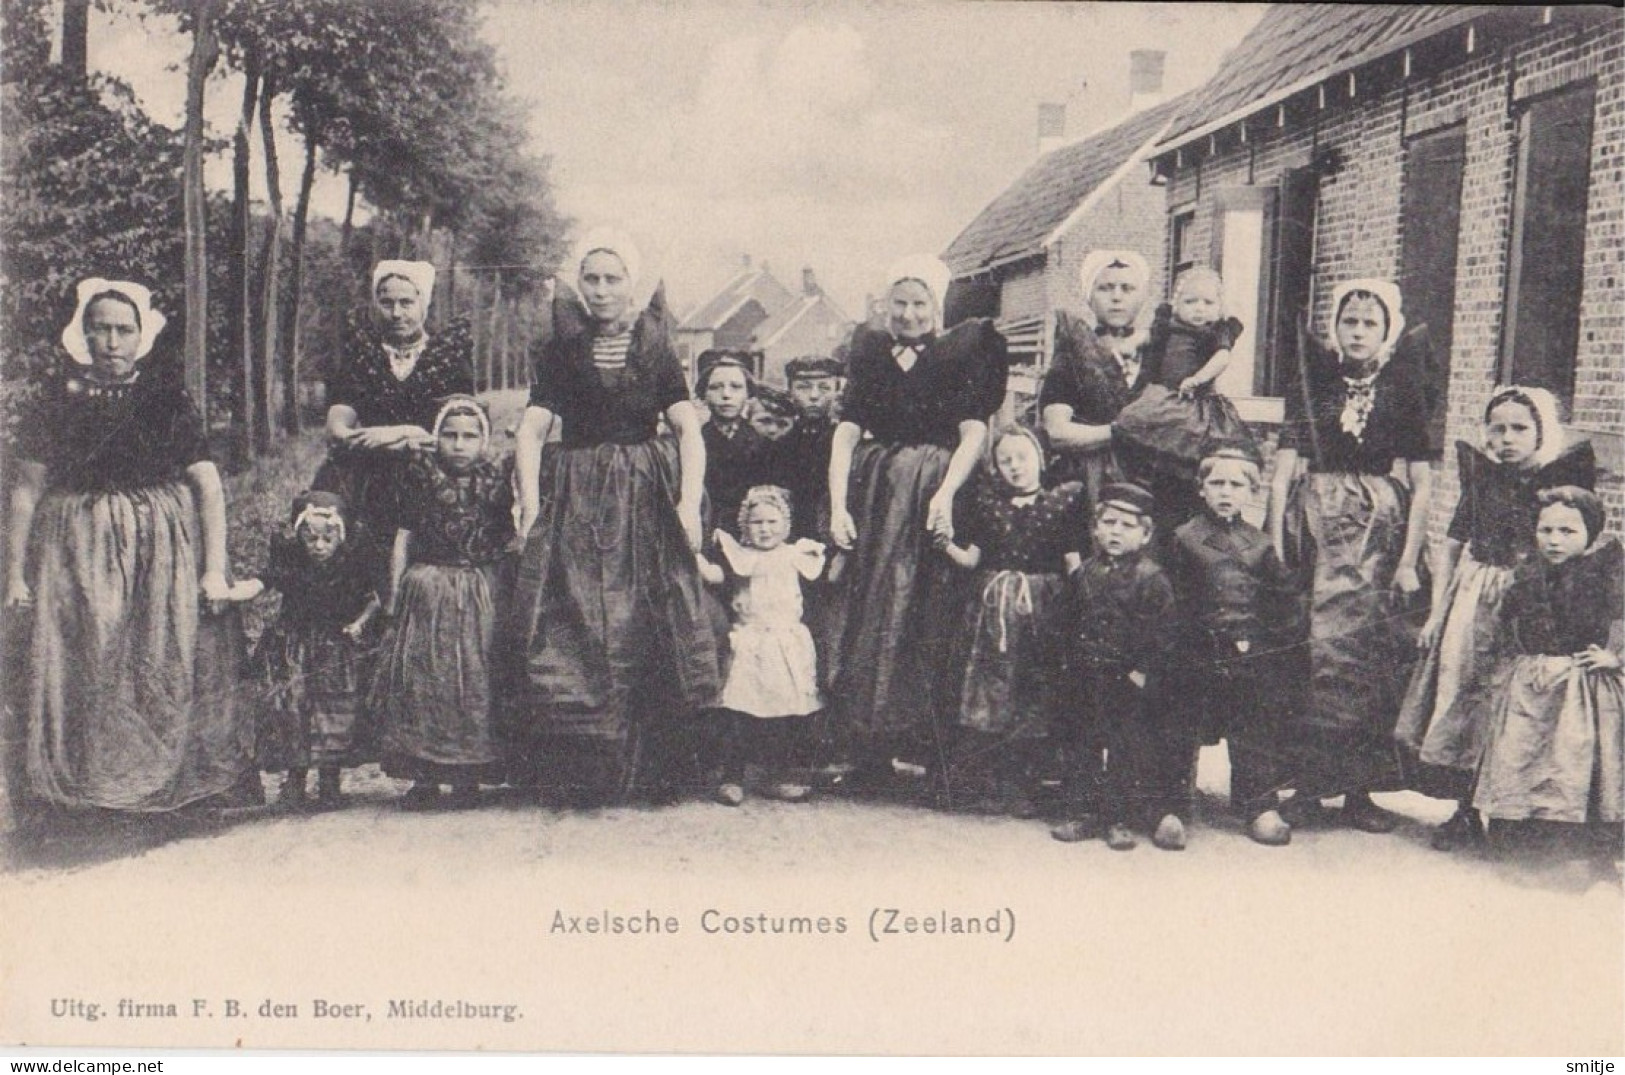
[{"x": 759, "y": 527}]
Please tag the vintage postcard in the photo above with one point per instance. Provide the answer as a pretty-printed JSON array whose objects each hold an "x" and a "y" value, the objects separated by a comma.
[{"x": 783, "y": 528}]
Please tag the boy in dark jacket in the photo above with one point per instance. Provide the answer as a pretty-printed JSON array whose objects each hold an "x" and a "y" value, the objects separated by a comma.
[
  {"x": 1124, "y": 617},
  {"x": 1241, "y": 618}
]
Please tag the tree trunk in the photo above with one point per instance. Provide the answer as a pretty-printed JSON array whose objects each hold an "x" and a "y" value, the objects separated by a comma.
[
  {"x": 451, "y": 278},
  {"x": 507, "y": 338},
  {"x": 242, "y": 286},
  {"x": 349, "y": 221},
  {"x": 76, "y": 38},
  {"x": 495, "y": 334},
  {"x": 270, "y": 276},
  {"x": 205, "y": 50},
  {"x": 476, "y": 327},
  {"x": 290, "y": 321}
]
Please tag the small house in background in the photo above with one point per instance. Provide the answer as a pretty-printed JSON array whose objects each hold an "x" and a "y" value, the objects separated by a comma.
[
  {"x": 1018, "y": 260},
  {"x": 809, "y": 325},
  {"x": 1471, "y": 154},
  {"x": 729, "y": 319}
]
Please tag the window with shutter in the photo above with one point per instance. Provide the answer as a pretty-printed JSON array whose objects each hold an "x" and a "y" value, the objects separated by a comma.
[
  {"x": 1541, "y": 327},
  {"x": 1430, "y": 226}
]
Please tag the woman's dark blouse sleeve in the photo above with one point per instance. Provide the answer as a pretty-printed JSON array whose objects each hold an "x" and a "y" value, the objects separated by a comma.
[
  {"x": 857, "y": 401},
  {"x": 1461, "y": 523},
  {"x": 988, "y": 378},
  {"x": 1061, "y": 380},
  {"x": 669, "y": 384},
  {"x": 418, "y": 491},
  {"x": 1408, "y": 425},
  {"x": 547, "y": 365},
  {"x": 1310, "y": 380}
]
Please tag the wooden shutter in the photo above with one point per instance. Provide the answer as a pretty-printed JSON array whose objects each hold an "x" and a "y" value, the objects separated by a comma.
[
  {"x": 1292, "y": 277},
  {"x": 1542, "y": 327},
  {"x": 1429, "y": 228}
]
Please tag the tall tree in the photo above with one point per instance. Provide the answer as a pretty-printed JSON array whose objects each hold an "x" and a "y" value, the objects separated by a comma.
[
  {"x": 205, "y": 51},
  {"x": 242, "y": 281},
  {"x": 270, "y": 356},
  {"x": 76, "y": 37}
]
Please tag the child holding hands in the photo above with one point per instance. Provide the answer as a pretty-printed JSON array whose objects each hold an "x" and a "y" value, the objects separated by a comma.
[
  {"x": 432, "y": 697},
  {"x": 772, "y": 684},
  {"x": 1016, "y": 537},
  {"x": 309, "y": 663}
]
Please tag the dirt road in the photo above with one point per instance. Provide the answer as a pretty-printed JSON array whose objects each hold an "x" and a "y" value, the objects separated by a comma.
[{"x": 1342, "y": 942}]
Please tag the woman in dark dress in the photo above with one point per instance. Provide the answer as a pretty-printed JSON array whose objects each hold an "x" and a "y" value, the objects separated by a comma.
[
  {"x": 609, "y": 638},
  {"x": 383, "y": 396},
  {"x": 1096, "y": 370},
  {"x": 118, "y": 538},
  {"x": 924, "y": 399},
  {"x": 1356, "y": 534}
]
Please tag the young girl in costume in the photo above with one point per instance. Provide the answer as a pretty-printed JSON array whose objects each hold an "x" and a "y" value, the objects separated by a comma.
[
  {"x": 1555, "y": 752},
  {"x": 1015, "y": 537},
  {"x": 1448, "y": 704},
  {"x": 1163, "y": 434},
  {"x": 772, "y": 682},
  {"x": 309, "y": 664},
  {"x": 432, "y": 697}
]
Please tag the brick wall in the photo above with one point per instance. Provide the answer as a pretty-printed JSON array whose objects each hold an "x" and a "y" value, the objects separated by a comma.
[
  {"x": 1358, "y": 226},
  {"x": 1131, "y": 216}
]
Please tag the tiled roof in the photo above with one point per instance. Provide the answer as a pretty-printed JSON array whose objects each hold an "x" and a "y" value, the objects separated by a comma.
[
  {"x": 713, "y": 314},
  {"x": 770, "y": 329},
  {"x": 1296, "y": 45},
  {"x": 1017, "y": 222}
]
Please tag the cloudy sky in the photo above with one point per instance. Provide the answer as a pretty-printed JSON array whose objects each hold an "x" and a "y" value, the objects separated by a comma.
[{"x": 833, "y": 135}]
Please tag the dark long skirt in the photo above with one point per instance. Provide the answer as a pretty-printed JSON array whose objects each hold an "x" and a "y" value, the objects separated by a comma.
[
  {"x": 1160, "y": 432},
  {"x": 311, "y": 681},
  {"x": 432, "y": 699},
  {"x": 132, "y": 688},
  {"x": 1345, "y": 533},
  {"x": 610, "y": 647},
  {"x": 900, "y": 602}
]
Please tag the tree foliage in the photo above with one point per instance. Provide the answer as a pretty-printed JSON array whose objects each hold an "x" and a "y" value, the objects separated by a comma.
[{"x": 403, "y": 97}]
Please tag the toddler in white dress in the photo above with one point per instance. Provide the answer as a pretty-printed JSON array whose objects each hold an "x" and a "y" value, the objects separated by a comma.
[{"x": 772, "y": 682}]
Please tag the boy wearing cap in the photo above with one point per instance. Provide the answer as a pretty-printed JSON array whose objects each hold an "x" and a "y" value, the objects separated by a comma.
[
  {"x": 1124, "y": 614},
  {"x": 1240, "y": 616},
  {"x": 801, "y": 456}
]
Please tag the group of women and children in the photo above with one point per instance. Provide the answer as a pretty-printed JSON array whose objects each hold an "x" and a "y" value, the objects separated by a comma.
[{"x": 890, "y": 590}]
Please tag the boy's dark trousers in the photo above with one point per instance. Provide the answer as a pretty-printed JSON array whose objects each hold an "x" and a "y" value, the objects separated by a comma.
[
  {"x": 1234, "y": 703},
  {"x": 1150, "y": 751}
]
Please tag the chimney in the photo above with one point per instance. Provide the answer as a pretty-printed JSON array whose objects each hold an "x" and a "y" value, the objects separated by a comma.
[
  {"x": 809, "y": 282},
  {"x": 1051, "y": 126},
  {"x": 1145, "y": 79}
]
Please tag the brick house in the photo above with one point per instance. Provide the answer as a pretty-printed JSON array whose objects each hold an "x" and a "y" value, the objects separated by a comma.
[
  {"x": 1017, "y": 261},
  {"x": 810, "y": 325},
  {"x": 731, "y": 317},
  {"x": 1473, "y": 154}
]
